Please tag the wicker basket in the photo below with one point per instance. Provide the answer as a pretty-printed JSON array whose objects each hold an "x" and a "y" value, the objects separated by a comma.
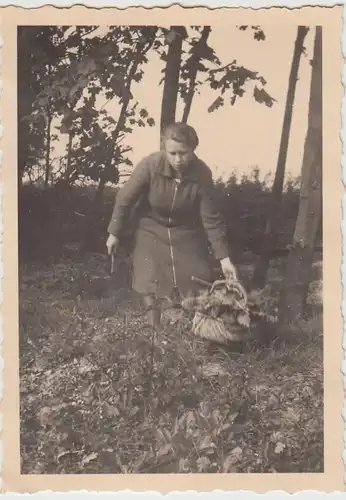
[
  {"x": 217, "y": 331},
  {"x": 223, "y": 328}
]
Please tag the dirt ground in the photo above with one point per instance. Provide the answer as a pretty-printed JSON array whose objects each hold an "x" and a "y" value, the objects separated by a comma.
[{"x": 99, "y": 396}]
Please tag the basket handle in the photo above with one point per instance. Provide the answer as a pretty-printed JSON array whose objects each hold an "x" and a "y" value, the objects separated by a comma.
[{"x": 211, "y": 286}]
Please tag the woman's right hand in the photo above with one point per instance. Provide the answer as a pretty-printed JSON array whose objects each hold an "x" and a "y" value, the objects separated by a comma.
[{"x": 112, "y": 244}]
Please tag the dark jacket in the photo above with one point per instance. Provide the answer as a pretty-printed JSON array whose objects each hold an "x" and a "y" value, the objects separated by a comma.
[
  {"x": 173, "y": 219},
  {"x": 152, "y": 180}
]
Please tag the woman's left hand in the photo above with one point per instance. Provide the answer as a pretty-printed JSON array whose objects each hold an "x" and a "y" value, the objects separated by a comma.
[{"x": 228, "y": 269}]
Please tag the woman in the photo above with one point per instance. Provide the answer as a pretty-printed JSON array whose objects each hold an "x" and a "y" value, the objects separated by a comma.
[{"x": 177, "y": 218}]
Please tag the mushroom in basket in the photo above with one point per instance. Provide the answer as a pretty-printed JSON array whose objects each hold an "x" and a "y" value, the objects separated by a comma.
[{"x": 222, "y": 312}]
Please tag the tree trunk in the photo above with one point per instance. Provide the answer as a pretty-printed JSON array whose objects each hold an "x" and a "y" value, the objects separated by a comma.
[
  {"x": 69, "y": 167},
  {"x": 25, "y": 101},
  {"x": 198, "y": 54},
  {"x": 99, "y": 191},
  {"x": 270, "y": 232},
  {"x": 299, "y": 265},
  {"x": 47, "y": 168},
  {"x": 171, "y": 80}
]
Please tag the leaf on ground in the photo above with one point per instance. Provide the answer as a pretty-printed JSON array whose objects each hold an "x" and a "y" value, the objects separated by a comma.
[
  {"x": 154, "y": 402},
  {"x": 206, "y": 443},
  {"x": 89, "y": 458},
  {"x": 137, "y": 464},
  {"x": 112, "y": 411},
  {"x": 190, "y": 419},
  {"x": 237, "y": 454},
  {"x": 88, "y": 394},
  {"x": 168, "y": 435},
  {"x": 291, "y": 415},
  {"x": 243, "y": 319},
  {"x": 64, "y": 453},
  {"x": 173, "y": 316},
  {"x": 161, "y": 437},
  {"x": 203, "y": 422},
  {"x": 225, "y": 426},
  {"x": 202, "y": 464},
  {"x": 217, "y": 419},
  {"x": 164, "y": 450},
  {"x": 257, "y": 388},
  {"x": 134, "y": 411},
  {"x": 273, "y": 400},
  {"x": 122, "y": 467},
  {"x": 205, "y": 409},
  {"x": 85, "y": 366},
  {"x": 213, "y": 370},
  {"x": 228, "y": 465},
  {"x": 45, "y": 415},
  {"x": 144, "y": 425},
  {"x": 279, "y": 448},
  {"x": 276, "y": 436},
  {"x": 232, "y": 416},
  {"x": 42, "y": 361},
  {"x": 184, "y": 465}
]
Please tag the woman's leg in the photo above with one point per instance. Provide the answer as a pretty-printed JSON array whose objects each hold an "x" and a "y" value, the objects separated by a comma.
[{"x": 153, "y": 308}]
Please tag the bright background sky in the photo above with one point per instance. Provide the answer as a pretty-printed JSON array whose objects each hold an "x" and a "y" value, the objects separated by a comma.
[{"x": 235, "y": 138}]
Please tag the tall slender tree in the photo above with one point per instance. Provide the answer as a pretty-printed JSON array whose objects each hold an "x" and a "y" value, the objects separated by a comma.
[
  {"x": 299, "y": 265},
  {"x": 175, "y": 38},
  {"x": 48, "y": 145},
  {"x": 35, "y": 51},
  {"x": 270, "y": 232},
  {"x": 189, "y": 56},
  {"x": 198, "y": 51}
]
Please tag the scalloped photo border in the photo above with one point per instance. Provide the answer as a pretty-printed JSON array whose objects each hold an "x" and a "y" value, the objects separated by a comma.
[{"x": 216, "y": 494}]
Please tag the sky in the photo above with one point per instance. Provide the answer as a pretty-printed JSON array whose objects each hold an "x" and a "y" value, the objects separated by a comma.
[{"x": 234, "y": 138}]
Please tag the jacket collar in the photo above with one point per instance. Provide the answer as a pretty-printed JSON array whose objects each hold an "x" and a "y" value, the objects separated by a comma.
[{"x": 191, "y": 173}]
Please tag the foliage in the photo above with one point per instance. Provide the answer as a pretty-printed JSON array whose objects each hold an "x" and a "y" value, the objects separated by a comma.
[
  {"x": 83, "y": 66},
  {"x": 243, "y": 203},
  {"x": 234, "y": 77},
  {"x": 228, "y": 301},
  {"x": 262, "y": 304},
  {"x": 51, "y": 219},
  {"x": 85, "y": 405},
  {"x": 65, "y": 72},
  {"x": 226, "y": 312},
  {"x": 197, "y": 59},
  {"x": 257, "y": 31},
  {"x": 35, "y": 53},
  {"x": 201, "y": 66}
]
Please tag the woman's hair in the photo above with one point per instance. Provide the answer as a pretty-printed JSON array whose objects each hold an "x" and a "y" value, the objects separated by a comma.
[{"x": 180, "y": 132}]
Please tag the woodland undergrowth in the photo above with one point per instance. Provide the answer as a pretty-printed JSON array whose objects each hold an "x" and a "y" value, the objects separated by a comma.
[{"x": 101, "y": 394}]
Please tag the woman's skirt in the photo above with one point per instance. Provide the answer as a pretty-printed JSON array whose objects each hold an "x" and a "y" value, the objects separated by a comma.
[{"x": 166, "y": 259}]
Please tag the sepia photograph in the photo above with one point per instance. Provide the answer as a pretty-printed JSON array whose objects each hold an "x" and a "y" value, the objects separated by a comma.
[
  {"x": 170, "y": 311},
  {"x": 173, "y": 271}
]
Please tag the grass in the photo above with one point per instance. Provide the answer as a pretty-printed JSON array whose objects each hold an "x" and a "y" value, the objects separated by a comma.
[{"x": 91, "y": 404}]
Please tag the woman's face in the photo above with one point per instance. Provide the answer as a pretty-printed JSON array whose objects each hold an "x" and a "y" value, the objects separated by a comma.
[{"x": 178, "y": 154}]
